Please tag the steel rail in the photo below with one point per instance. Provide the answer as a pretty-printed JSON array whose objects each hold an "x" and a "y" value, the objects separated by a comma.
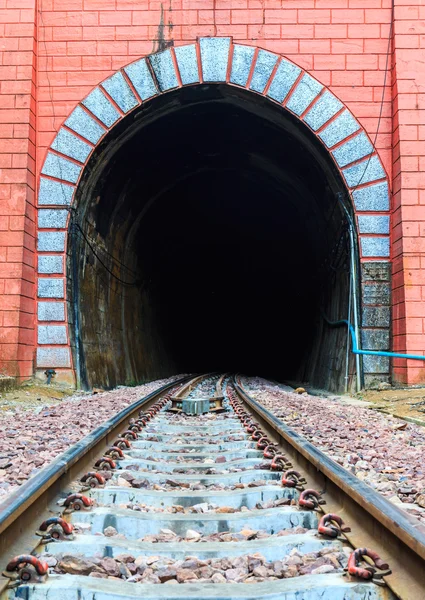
[
  {"x": 190, "y": 385},
  {"x": 375, "y": 522},
  {"x": 26, "y": 508}
]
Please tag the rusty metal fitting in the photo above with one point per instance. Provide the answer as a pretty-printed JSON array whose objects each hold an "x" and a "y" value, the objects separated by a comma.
[
  {"x": 332, "y": 525},
  {"x": 122, "y": 443},
  {"x": 293, "y": 479},
  {"x": 136, "y": 428},
  {"x": 115, "y": 453},
  {"x": 77, "y": 502},
  {"x": 105, "y": 463},
  {"x": 376, "y": 573},
  {"x": 24, "y": 569},
  {"x": 279, "y": 462},
  {"x": 310, "y": 499},
  {"x": 257, "y": 435},
  {"x": 263, "y": 442},
  {"x": 252, "y": 427},
  {"x": 55, "y": 529},
  {"x": 129, "y": 435},
  {"x": 92, "y": 480},
  {"x": 270, "y": 451}
]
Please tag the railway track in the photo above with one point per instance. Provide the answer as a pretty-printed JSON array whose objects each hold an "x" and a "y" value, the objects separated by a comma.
[{"x": 228, "y": 504}]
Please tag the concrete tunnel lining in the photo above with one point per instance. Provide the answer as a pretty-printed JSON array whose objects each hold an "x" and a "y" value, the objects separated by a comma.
[{"x": 220, "y": 210}]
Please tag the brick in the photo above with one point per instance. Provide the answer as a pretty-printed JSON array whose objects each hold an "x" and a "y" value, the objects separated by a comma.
[
  {"x": 314, "y": 16},
  {"x": 283, "y": 15},
  {"x": 343, "y": 16},
  {"x": 332, "y": 61},
  {"x": 115, "y": 17},
  {"x": 297, "y": 31},
  {"x": 244, "y": 17},
  {"x": 347, "y": 46},
  {"x": 330, "y": 31}
]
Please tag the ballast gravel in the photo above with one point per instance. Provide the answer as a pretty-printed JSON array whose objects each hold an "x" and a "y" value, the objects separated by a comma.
[
  {"x": 385, "y": 452},
  {"x": 251, "y": 568},
  {"x": 31, "y": 439}
]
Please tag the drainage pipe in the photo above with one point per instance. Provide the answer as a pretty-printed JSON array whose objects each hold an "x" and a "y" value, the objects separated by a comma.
[
  {"x": 353, "y": 286},
  {"x": 356, "y": 350}
]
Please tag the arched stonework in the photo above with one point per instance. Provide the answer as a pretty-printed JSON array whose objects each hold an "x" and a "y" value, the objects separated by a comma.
[{"x": 211, "y": 60}]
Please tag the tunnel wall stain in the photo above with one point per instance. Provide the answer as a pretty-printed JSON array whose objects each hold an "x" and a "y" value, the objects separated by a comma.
[{"x": 213, "y": 61}]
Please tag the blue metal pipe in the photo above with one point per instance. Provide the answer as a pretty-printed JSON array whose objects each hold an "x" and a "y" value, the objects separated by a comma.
[{"x": 356, "y": 349}]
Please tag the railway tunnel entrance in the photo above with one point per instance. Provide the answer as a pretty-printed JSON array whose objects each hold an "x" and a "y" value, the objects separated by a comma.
[{"x": 208, "y": 236}]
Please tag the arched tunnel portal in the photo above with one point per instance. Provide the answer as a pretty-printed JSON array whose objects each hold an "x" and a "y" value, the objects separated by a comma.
[{"x": 208, "y": 235}]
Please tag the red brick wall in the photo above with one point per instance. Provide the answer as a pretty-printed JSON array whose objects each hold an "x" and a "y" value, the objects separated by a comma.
[
  {"x": 71, "y": 45},
  {"x": 341, "y": 42},
  {"x": 17, "y": 185},
  {"x": 409, "y": 187}
]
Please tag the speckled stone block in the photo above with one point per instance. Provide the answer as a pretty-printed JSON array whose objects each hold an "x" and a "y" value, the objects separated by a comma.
[
  {"x": 376, "y": 294},
  {"x": 241, "y": 64},
  {"x": 163, "y": 67},
  {"x": 54, "y": 193},
  {"x": 355, "y": 149},
  {"x": 51, "y": 311},
  {"x": 376, "y": 316},
  {"x": 69, "y": 144},
  {"x": 325, "y": 108},
  {"x": 51, "y": 264},
  {"x": 374, "y": 224},
  {"x": 364, "y": 172},
  {"x": 51, "y": 334},
  {"x": 264, "y": 66},
  {"x": 120, "y": 91},
  {"x": 50, "y": 218},
  {"x": 187, "y": 63},
  {"x": 50, "y": 287},
  {"x": 83, "y": 124},
  {"x": 374, "y": 197},
  {"x": 141, "y": 78},
  {"x": 61, "y": 168},
  {"x": 375, "y": 339},
  {"x": 101, "y": 107},
  {"x": 304, "y": 94},
  {"x": 376, "y": 270},
  {"x": 375, "y": 246},
  {"x": 283, "y": 80},
  {"x": 376, "y": 364},
  {"x": 214, "y": 58},
  {"x": 53, "y": 357},
  {"x": 51, "y": 241},
  {"x": 343, "y": 126}
]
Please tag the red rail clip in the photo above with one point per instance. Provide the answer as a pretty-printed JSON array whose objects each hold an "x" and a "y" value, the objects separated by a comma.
[
  {"x": 368, "y": 572},
  {"x": 26, "y": 568},
  {"x": 332, "y": 526},
  {"x": 310, "y": 499}
]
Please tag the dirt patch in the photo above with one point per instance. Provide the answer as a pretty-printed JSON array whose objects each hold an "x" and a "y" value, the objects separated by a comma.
[
  {"x": 398, "y": 402},
  {"x": 33, "y": 395}
]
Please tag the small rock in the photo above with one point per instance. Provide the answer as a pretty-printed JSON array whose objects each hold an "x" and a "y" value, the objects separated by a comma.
[
  {"x": 184, "y": 575},
  {"x": 110, "y": 531},
  {"x": 191, "y": 534}
]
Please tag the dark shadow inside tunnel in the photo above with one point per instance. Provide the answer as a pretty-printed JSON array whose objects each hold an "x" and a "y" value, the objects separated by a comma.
[{"x": 208, "y": 236}]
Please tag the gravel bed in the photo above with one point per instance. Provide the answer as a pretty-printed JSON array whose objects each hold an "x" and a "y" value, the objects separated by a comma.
[
  {"x": 383, "y": 451},
  {"x": 252, "y": 568},
  {"x": 33, "y": 438}
]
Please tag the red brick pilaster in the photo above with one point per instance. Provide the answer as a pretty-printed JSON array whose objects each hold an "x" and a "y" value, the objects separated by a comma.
[
  {"x": 17, "y": 186},
  {"x": 408, "y": 220}
]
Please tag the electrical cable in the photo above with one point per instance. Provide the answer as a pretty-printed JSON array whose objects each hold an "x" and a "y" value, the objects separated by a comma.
[
  {"x": 382, "y": 98},
  {"x": 130, "y": 284}
]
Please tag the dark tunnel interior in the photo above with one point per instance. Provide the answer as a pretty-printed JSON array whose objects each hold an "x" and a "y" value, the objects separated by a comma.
[{"x": 208, "y": 237}]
